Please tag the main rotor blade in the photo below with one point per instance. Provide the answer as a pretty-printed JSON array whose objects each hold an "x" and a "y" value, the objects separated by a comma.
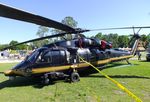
[
  {"x": 134, "y": 30},
  {"x": 37, "y": 39},
  {"x": 121, "y": 28},
  {"x": 138, "y": 31},
  {"x": 13, "y": 13},
  {"x": 46, "y": 37}
]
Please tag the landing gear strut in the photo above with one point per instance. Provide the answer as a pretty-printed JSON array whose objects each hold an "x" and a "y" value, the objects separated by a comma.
[
  {"x": 73, "y": 76},
  {"x": 128, "y": 61}
]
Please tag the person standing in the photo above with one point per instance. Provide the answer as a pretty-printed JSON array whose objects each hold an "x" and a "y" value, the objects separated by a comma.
[{"x": 139, "y": 56}]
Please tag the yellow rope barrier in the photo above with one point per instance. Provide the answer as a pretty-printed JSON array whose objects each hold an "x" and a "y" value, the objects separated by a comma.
[{"x": 114, "y": 81}]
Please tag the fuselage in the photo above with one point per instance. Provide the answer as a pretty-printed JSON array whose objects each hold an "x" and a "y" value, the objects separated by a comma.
[{"x": 64, "y": 55}]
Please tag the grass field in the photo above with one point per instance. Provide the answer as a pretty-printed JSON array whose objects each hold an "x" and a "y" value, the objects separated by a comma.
[{"x": 92, "y": 88}]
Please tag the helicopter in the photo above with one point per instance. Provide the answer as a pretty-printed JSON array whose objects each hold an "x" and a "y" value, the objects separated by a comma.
[{"x": 61, "y": 59}]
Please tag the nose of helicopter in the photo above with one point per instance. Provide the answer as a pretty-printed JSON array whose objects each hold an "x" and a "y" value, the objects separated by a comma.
[
  {"x": 18, "y": 70},
  {"x": 8, "y": 72},
  {"x": 14, "y": 72}
]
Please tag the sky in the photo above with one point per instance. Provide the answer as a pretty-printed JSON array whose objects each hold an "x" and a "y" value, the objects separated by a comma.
[{"x": 90, "y": 14}]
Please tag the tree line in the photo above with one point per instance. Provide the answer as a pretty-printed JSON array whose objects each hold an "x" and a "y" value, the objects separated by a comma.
[{"x": 121, "y": 41}]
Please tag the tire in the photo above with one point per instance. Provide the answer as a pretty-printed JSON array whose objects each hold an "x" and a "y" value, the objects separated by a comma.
[
  {"x": 45, "y": 79},
  {"x": 74, "y": 77}
]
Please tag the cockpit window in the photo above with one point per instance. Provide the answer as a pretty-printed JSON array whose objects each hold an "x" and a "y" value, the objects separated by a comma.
[
  {"x": 31, "y": 58},
  {"x": 44, "y": 57}
]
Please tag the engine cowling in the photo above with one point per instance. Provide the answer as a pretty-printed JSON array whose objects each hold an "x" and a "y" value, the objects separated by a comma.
[
  {"x": 86, "y": 42},
  {"x": 105, "y": 45}
]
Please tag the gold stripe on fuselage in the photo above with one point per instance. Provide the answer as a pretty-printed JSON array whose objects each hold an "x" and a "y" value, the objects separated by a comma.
[
  {"x": 50, "y": 69},
  {"x": 79, "y": 65}
]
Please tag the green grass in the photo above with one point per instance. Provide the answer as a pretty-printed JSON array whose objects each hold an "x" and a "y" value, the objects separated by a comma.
[{"x": 91, "y": 88}]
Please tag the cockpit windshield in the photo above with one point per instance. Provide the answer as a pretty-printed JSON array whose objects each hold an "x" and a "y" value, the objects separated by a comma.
[{"x": 33, "y": 56}]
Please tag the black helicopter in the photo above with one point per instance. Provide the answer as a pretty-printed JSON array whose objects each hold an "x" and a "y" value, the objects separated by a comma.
[{"x": 61, "y": 59}]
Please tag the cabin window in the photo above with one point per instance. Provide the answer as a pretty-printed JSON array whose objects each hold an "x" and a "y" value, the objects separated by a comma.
[
  {"x": 62, "y": 57},
  {"x": 58, "y": 57},
  {"x": 47, "y": 57},
  {"x": 53, "y": 57}
]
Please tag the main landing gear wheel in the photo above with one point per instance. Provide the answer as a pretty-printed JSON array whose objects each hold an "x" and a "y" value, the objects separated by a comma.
[
  {"x": 45, "y": 79},
  {"x": 74, "y": 77}
]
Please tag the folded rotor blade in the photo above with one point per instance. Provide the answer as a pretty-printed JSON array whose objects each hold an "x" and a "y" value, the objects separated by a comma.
[{"x": 13, "y": 13}]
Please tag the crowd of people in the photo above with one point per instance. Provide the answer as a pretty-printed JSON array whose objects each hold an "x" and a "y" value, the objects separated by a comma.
[{"x": 8, "y": 55}]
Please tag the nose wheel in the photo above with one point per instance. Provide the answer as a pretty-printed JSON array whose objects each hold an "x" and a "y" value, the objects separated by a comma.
[
  {"x": 12, "y": 78},
  {"x": 74, "y": 77}
]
